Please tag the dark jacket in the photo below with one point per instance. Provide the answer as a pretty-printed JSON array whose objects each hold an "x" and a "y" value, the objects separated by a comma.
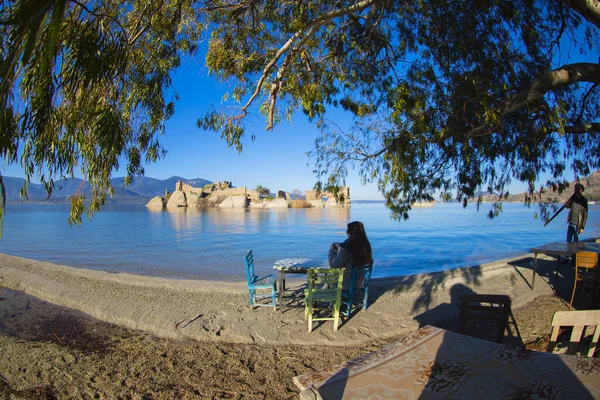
[
  {"x": 342, "y": 258},
  {"x": 578, "y": 211}
]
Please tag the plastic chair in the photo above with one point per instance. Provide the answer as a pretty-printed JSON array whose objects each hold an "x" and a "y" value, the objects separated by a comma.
[
  {"x": 578, "y": 320},
  {"x": 348, "y": 296},
  {"x": 586, "y": 260},
  {"x": 259, "y": 283},
  {"x": 324, "y": 286}
]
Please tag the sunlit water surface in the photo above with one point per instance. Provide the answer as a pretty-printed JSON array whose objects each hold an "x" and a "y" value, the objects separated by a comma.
[{"x": 211, "y": 244}]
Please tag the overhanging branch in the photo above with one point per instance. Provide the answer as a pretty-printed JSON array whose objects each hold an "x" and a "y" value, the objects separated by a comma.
[
  {"x": 589, "y": 9},
  {"x": 593, "y": 127},
  {"x": 302, "y": 36},
  {"x": 564, "y": 76}
]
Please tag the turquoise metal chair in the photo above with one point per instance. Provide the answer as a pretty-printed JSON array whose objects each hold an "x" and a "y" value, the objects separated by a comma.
[
  {"x": 348, "y": 297},
  {"x": 263, "y": 283}
]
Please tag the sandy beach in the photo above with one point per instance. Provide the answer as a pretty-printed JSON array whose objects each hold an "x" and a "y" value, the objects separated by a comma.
[{"x": 74, "y": 333}]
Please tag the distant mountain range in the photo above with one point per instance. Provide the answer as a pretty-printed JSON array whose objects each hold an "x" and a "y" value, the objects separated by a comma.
[
  {"x": 144, "y": 188},
  {"x": 591, "y": 192},
  {"x": 140, "y": 192}
]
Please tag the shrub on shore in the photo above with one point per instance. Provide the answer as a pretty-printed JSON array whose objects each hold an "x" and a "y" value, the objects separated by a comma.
[{"x": 299, "y": 204}]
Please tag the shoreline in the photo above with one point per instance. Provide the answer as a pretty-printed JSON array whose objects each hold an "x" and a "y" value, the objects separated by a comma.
[
  {"x": 218, "y": 311},
  {"x": 169, "y": 274}
]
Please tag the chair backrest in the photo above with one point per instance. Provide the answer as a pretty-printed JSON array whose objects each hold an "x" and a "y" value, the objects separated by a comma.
[
  {"x": 578, "y": 320},
  {"x": 249, "y": 263},
  {"x": 485, "y": 306},
  {"x": 368, "y": 269},
  {"x": 586, "y": 259},
  {"x": 325, "y": 276}
]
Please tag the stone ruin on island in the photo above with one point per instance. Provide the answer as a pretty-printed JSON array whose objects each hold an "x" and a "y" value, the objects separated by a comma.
[{"x": 223, "y": 195}]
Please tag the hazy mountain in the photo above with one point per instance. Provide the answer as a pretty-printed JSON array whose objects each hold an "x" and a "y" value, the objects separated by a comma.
[
  {"x": 14, "y": 185},
  {"x": 591, "y": 184},
  {"x": 139, "y": 192}
]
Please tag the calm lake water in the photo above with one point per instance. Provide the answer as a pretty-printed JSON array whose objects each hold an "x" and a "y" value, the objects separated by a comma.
[{"x": 211, "y": 244}]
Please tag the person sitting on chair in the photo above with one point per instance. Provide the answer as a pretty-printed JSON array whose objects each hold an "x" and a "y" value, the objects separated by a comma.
[{"x": 355, "y": 251}]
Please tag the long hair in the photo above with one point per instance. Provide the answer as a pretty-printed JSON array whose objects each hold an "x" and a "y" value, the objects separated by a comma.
[{"x": 359, "y": 244}]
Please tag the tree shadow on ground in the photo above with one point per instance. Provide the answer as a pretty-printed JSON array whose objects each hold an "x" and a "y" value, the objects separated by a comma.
[
  {"x": 447, "y": 316},
  {"x": 25, "y": 317},
  {"x": 559, "y": 274},
  {"x": 428, "y": 285}
]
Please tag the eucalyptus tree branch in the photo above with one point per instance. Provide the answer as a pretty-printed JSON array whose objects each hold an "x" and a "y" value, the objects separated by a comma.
[
  {"x": 381, "y": 151},
  {"x": 561, "y": 30},
  {"x": 100, "y": 15},
  {"x": 585, "y": 98},
  {"x": 300, "y": 37},
  {"x": 584, "y": 128},
  {"x": 137, "y": 27},
  {"x": 137, "y": 35},
  {"x": 275, "y": 87},
  {"x": 564, "y": 76},
  {"x": 226, "y": 6},
  {"x": 589, "y": 9}
]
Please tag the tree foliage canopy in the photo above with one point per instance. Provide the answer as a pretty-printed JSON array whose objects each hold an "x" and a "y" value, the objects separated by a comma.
[
  {"x": 448, "y": 96},
  {"x": 84, "y": 85}
]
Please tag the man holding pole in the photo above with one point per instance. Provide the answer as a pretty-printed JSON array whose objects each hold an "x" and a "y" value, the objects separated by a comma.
[{"x": 578, "y": 210}]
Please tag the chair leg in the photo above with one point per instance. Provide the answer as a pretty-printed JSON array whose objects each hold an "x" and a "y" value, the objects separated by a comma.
[
  {"x": 500, "y": 334},
  {"x": 349, "y": 302},
  {"x": 366, "y": 300},
  {"x": 251, "y": 297},
  {"x": 349, "y": 305},
  {"x": 462, "y": 325},
  {"x": 308, "y": 311},
  {"x": 336, "y": 315},
  {"x": 573, "y": 295},
  {"x": 274, "y": 296}
]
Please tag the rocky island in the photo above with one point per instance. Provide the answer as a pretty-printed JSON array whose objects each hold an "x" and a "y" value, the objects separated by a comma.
[{"x": 224, "y": 195}]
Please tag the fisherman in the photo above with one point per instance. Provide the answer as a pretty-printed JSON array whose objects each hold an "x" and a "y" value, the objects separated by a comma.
[{"x": 578, "y": 211}]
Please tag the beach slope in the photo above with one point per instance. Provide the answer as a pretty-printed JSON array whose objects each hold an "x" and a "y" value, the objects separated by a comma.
[{"x": 219, "y": 311}]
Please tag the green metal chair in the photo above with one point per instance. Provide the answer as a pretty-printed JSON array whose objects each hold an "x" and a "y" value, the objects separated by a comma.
[
  {"x": 264, "y": 283},
  {"x": 349, "y": 297},
  {"x": 324, "y": 288}
]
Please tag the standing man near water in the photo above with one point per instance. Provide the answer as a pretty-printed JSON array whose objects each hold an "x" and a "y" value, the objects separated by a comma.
[{"x": 578, "y": 210}]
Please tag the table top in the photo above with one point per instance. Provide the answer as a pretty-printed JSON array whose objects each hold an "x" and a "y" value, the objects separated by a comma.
[
  {"x": 433, "y": 363},
  {"x": 565, "y": 249},
  {"x": 299, "y": 265}
]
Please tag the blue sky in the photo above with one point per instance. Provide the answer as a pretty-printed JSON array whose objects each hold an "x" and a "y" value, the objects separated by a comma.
[{"x": 276, "y": 159}]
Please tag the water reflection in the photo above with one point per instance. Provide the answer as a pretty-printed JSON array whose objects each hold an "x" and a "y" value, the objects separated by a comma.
[
  {"x": 331, "y": 216},
  {"x": 184, "y": 223}
]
